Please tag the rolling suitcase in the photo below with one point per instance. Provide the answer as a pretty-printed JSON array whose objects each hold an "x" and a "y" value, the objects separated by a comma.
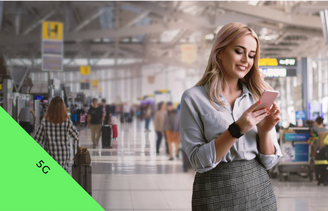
[
  {"x": 122, "y": 118},
  {"x": 106, "y": 136},
  {"x": 115, "y": 134},
  {"x": 321, "y": 165},
  {"x": 82, "y": 174}
]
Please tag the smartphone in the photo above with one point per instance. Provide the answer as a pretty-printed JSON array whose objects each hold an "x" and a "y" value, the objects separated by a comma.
[{"x": 267, "y": 99}]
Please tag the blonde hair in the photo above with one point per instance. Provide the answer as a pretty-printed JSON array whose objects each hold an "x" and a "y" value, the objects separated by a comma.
[{"x": 215, "y": 75}]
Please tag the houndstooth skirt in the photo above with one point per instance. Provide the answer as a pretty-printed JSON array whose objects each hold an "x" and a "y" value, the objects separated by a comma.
[{"x": 234, "y": 186}]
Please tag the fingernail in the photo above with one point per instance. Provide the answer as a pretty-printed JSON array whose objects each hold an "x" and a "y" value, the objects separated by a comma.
[
  {"x": 268, "y": 113},
  {"x": 259, "y": 102},
  {"x": 267, "y": 109}
]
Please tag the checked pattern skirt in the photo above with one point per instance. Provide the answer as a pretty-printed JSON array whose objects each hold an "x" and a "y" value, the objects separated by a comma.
[{"x": 234, "y": 186}]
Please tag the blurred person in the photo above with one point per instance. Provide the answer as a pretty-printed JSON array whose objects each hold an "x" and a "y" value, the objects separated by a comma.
[
  {"x": 147, "y": 113},
  {"x": 24, "y": 119},
  {"x": 54, "y": 132},
  {"x": 159, "y": 124},
  {"x": 126, "y": 112},
  {"x": 318, "y": 126},
  {"x": 107, "y": 115},
  {"x": 309, "y": 123},
  {"x": 173, "y": 136},
  {"x": 113, "y": 109},
  {"x": 222, "y": 131},
  {"x": 95, "y": 115},
  {"x": 103, "y": 106}
]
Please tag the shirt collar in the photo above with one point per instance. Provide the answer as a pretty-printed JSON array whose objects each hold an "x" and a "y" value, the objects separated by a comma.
[{"x": 244, "y": 87}]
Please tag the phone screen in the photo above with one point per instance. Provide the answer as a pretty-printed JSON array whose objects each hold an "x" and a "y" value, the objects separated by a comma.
[{"x": 267, "y": 99}]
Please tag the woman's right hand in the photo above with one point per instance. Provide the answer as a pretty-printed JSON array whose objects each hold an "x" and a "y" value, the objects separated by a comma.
[{"x": 251, "y": 117}]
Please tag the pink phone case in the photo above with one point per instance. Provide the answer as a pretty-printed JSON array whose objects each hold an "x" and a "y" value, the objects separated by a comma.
[{"x": 267, "y": 99}]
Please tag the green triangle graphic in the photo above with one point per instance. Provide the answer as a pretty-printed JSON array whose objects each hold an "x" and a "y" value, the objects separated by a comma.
[{"x": 24, "y": 186}]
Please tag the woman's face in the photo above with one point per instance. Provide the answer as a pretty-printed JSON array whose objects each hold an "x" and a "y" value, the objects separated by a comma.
[{"x": 238, "y": 57}]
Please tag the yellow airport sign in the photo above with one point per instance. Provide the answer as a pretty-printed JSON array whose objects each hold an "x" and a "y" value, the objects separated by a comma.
[
  {"x": 0, "y": 86},
  {"x": 85, "y": 70},
  {"x": 94, "y": 83},
  {"x": 52, "y": 30},
  {"x": 268, "y": 62}
]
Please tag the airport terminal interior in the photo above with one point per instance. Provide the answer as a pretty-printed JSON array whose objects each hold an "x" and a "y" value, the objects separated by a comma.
[{"x": 132, "y": 58}]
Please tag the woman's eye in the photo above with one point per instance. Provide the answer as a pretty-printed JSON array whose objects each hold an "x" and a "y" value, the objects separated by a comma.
[
  {"x": 238, "y": 52},
  {"x": 251, "y": 57}
]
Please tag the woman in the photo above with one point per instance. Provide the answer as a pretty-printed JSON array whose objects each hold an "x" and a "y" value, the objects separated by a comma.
[
  {"x": 228, "y": 141},
  {"x": 173, "y": 136},
  {"x": 54, "y": 130},
  {"x": 159, "y": 124}
]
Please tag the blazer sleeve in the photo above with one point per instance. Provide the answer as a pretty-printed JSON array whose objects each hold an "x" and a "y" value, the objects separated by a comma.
[{"x": 201, "y": 153}]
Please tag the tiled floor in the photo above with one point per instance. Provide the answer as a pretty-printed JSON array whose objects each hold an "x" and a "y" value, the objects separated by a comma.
[{"x": 132, "y": 177}]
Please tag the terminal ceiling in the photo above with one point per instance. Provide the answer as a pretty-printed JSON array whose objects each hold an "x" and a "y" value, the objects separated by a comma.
[{"x": 129, "y": 35}]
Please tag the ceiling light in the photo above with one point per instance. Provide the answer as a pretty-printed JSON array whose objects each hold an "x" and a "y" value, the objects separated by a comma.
[
  {"x": 267, "y": 38},
  {"x": 254, "y": 3},
  {"x": 209, "y": 36}
]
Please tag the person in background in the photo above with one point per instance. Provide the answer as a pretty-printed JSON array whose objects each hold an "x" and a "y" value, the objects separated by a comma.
[
  {"x": 95, "y": 115},
  {"x": 318, "y": 126},
  {"x": 108, "y": 113},
  {"x": 24, "y": 118},
  {"x": 173, "y": 137},
  {"x": 103, "y": 106},
  {"x": 147, "y": 117},
  {"x": 126, "y": 111},
  {"x": 54, "y": 132},
  {"x": 159, "y": 124},
  {"x": 113, "y": 109}
]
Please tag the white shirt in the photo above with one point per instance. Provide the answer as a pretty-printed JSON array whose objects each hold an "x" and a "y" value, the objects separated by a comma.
[{"x": 201, "y": 124}]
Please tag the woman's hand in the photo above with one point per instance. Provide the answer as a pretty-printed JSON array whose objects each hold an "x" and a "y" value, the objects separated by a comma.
[
  {"x": 251, "y": 117},
  {"x": 270, "y": 121}
]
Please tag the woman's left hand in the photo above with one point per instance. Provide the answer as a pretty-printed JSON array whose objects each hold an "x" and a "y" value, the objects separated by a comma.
[{"x": 270, "y": 121}]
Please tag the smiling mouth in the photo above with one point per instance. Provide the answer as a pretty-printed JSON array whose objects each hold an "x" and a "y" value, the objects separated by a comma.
[{"x": 242, "y": 68}]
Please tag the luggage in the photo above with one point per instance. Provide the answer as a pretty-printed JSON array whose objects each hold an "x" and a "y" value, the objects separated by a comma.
[
  {"x": 82, "y": 174},
  {"x": 321, "y": 165},
  {"x": 106, "y": 136},
  {"x": 122, "y": 118},
  {"x": 74, "y": 118},
  {"x": 115, "y": 133},
  {"x": 130, "y": 119}
]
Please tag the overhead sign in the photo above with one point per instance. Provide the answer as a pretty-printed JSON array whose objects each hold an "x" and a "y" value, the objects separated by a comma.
[
  {"x": 290, "y": 62},
  {"x": 84, "y": 84},
  {"x": 95, "y": 83},
  {"x": 268, "y": 62},
  {"x": 52, "y": 46},
  {"x": 300, "y": 115},
  {"x": 162, "y": 91},
  {"x": 0, "y": 86},
  {"x": 52, "y": 63},
  {"x": 274, "y": 72},
  {"x": 52, "y": 30},
  {"x": 85, "y": 70}
]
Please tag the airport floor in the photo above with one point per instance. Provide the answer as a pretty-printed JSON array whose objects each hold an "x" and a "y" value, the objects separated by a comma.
[{"x": 130, "y": 176}]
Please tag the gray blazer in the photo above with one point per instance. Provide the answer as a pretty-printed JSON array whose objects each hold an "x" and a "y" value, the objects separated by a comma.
[{"x": 201, "y": 124}]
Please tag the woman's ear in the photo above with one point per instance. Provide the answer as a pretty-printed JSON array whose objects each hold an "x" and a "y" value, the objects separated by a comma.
[{"x": 219, "y": 55}]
